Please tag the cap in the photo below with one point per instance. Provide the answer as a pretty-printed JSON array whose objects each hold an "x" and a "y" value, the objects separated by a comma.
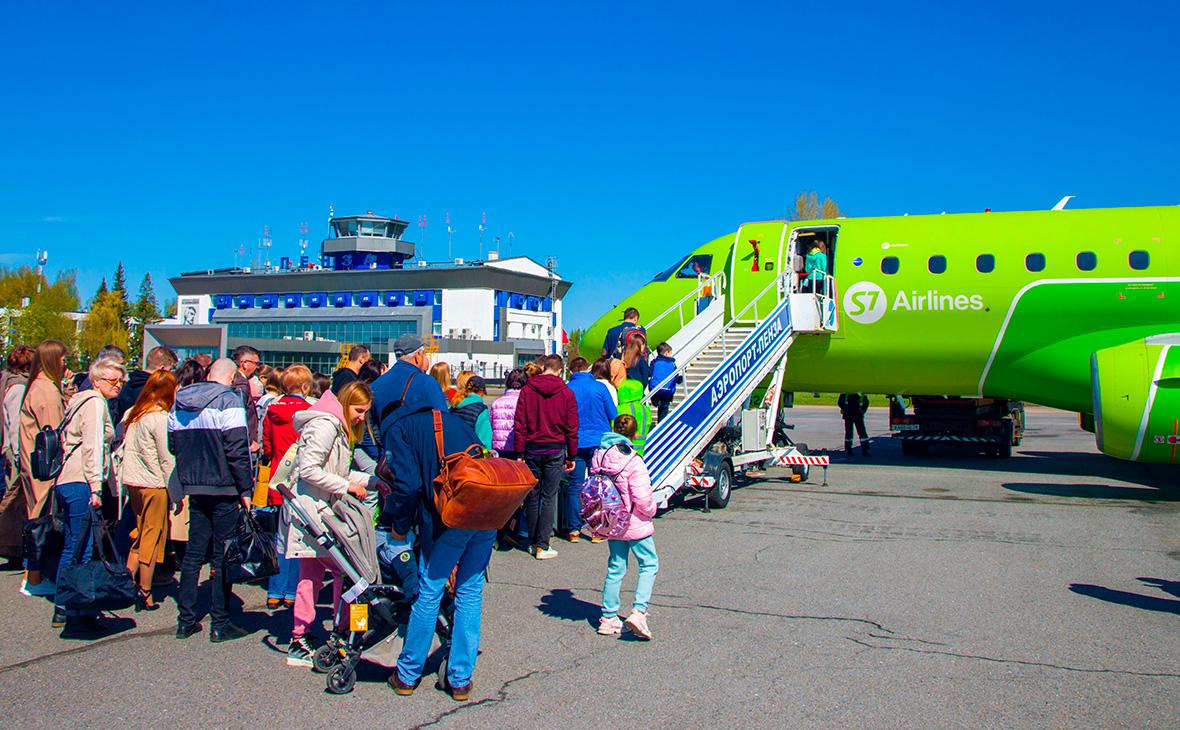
[
  {"x": 477, "y": 383},
  {"x": 407, "y": 344}
]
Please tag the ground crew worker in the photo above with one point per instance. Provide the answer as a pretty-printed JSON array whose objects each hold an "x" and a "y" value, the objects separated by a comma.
[
  {"x": 853, "y": 407},
  {"x": 631, "y": 402}
]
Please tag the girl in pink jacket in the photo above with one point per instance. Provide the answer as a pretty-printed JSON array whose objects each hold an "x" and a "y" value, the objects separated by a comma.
[{"x": 617, "y": 459}]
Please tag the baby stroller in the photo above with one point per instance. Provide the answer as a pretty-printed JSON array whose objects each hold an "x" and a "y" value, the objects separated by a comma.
[{"x": 370, "y": 610}]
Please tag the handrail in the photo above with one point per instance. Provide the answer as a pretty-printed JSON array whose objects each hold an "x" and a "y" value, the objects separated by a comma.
[
  {"x": 680, "y": 370},
  {"x": 716, "y": 281}
]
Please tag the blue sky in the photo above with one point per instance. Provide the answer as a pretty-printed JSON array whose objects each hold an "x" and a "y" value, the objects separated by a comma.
[{"x": 613, "y": 136}]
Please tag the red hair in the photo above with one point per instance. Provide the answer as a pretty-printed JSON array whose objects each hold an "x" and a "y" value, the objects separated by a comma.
[{"x": 158, "y": 392}]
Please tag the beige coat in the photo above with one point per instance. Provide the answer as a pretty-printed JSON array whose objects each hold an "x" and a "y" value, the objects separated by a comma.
[
  {"x": 146, "y": 459},
  {"x": 322, "y": 473},
  {"x": 87, "y": 441},
  {"x": 43, "y": 406}
]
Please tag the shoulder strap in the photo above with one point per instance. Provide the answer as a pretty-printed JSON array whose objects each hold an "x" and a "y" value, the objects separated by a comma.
[
  {"x": 391, "y": 407},
  {"x": 73, "y": 412},
  {"x": 438, "y": 439}
]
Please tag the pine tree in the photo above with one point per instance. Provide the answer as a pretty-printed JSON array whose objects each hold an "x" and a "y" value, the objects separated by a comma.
[
  {"x": 102, "y": 288},
  {"x": 145, "y": 311},
  {"x": 120, "y": 288}
]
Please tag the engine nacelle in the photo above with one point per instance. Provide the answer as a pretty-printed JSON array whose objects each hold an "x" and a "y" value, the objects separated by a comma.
[{"x": 1136, "y": 389}]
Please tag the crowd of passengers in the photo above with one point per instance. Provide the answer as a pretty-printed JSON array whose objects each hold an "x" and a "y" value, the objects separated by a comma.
[{"x": 160, "y": 462}]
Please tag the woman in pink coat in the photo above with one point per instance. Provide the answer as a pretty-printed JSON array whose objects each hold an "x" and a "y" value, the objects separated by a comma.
[
  {"x": 616, "y": 458},
  {"x": 503, "y": 414}
]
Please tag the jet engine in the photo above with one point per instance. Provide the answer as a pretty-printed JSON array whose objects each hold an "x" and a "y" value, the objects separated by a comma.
[{"x": 1136, "y": 391}]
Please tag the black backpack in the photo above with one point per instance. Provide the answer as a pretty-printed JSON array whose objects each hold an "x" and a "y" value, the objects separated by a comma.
[{"x": 49, "y": 455}]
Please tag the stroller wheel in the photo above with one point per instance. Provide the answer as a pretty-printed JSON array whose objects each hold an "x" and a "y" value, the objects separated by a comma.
[
  {"x": 324, "y": 659},
  {"x": 341, "y": 680}
]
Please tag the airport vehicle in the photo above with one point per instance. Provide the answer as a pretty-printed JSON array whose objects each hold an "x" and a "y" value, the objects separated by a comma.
[
  {"x": 993, "y": 425},
  {"x": 1073, "y": 309}
]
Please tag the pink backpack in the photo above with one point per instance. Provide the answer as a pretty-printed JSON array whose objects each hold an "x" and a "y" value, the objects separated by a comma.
[{"x": 603, "y": 510}]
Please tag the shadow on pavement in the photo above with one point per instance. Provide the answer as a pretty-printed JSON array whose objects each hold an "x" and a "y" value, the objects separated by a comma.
[
  {"x": 1126, "y": 598},
  {"x": 563, "y": 604},
  {"x": 1096, "y": 491}
]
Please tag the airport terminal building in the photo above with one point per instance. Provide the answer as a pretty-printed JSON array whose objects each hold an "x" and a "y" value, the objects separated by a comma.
[{"x": 367, "y": 288}]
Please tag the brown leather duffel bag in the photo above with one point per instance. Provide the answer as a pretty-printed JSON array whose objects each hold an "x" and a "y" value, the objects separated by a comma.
[{"x": 475, "y": 492}]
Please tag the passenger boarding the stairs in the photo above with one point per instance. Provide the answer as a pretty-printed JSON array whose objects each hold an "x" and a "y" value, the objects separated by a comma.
[
  {"x": 618, "y": 460},
  {"x": 662, "y": 368},
  {"x": 631, "y": 403}
]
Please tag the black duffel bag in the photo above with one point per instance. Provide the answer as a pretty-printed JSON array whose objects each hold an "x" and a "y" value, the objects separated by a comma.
[
  {"x": 42, "y": 536},
  {"x": 250, "y": 551},
  {"x": 102, "y": 583}
]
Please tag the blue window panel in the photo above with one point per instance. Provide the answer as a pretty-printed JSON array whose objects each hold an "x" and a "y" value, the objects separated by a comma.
[
  {"x": 501, "y": 298},
  {"x": 438, "y": 296},
  {"x": 223, "y": 301},
  {"x": 423, "y": 297},
  {"x": 393, "y": 298},
  {"x": 496, "y": 330},
  {"x": 340, "y": 298},
  {"x": 436, "y": 312},
  {"x": 244, "y": 301},
  {"x": 268, "y": 301},
  {"x": 546, "y": 305},
  {"x": 516, "y": 301},
  {"x": 292, "y": 301},
  {"x": 317, "y": 299},
  {"x": 533, "y": 304},
  {"x": 366, "y": 298}
]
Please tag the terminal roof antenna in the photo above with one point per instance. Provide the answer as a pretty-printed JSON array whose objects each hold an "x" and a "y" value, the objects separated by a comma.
[
  {"x": 511, "y": 236},
  {"x": 266, "y": 246},
  {"x": 42, "y": 257},
  {"x": 302, "y": 241},
  {"x": 450, "y": 234},
  {"x": 483, "y": 226},
  {"x": 421, "y": 230}
]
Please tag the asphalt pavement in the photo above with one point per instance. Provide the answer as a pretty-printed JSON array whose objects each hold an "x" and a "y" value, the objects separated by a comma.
[{"x": 944, "y": 591}]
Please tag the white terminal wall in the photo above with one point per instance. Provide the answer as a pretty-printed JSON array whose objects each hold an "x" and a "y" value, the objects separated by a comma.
[{"x": 468, "y": 309}]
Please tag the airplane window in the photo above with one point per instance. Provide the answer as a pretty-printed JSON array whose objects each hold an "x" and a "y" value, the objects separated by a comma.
[
  {"x": 667, "y": 273},
  {"x": 696, "y": 265},
  {"x": 1086, "y": 261},
  {"x": 1139, "y": 260},
  {"x": 890, "y": 265},
  {"x": 937, "y": 264},
  {"x": 985, "y": 263},
  {"x": 1035, "y": 262}
]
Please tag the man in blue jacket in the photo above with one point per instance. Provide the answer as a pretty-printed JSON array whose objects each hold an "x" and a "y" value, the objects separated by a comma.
[
  {"x": 405, "y": 387},
  {"x": 411, "y": 445},
  {"x": 596, "y": 412}
]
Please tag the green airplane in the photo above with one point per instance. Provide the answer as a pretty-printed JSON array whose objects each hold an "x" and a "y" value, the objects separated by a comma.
[{"x": 1073, "y": 309}]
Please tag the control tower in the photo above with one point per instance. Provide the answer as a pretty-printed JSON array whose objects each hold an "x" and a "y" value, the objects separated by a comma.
[{"x": 366, "y": 242}]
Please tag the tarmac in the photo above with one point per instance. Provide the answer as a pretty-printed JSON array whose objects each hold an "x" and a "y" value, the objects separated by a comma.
[{"x": 944, "y": 591}]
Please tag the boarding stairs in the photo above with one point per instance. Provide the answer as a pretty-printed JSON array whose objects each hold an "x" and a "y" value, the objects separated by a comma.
[{"x": 723, "y": 359}]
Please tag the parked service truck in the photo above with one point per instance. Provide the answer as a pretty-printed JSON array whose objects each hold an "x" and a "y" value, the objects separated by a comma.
[{"x": 992, "y": 425}]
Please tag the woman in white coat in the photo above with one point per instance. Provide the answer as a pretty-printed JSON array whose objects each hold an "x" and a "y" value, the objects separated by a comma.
[{"x": 328, "y": 432}]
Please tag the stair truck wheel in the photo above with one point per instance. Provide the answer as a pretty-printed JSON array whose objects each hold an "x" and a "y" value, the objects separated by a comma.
[{"x": 719, "y": 495}]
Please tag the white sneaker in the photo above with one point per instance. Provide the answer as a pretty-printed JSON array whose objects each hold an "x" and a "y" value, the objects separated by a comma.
[
  {"x": 637, "y": 622},
  {"x": 612, "y": 626},
  {"x": 544, "y": 553},
  {"x": 45, "y": 589}
]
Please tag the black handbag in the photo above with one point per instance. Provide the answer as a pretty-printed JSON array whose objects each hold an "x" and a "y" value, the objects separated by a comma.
[
  {"x": 42, "y": 536},
  {"x": 102, "y": 583},
  {"x": 249, "y": 551}
]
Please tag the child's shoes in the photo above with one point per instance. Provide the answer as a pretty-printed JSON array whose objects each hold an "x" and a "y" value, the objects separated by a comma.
[
  {"x": 637, "y": 623},
  {"x": 610, "y": 626}
]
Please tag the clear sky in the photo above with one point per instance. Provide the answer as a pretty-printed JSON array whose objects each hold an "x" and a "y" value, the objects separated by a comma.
[{"x": 612, "y": 136}]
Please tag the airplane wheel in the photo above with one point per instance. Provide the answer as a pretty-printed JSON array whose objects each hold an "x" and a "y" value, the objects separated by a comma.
[{"x": 719, "y": 495}]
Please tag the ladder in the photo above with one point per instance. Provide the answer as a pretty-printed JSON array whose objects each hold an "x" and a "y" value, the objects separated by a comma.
[{"x": 724, "y": 362}]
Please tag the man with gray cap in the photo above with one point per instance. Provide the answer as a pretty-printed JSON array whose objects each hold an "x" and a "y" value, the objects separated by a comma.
[{"x": 405, "y": 387}]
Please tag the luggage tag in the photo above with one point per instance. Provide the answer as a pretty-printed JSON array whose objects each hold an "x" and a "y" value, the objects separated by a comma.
[{"x": 358, "y": 617}]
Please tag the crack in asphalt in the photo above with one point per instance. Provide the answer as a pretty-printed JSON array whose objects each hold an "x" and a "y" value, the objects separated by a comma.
[
  {"x": 1020, "y": 662},
  {"x": 501, "y": 696},
  {"x": 771, "y": 614}
]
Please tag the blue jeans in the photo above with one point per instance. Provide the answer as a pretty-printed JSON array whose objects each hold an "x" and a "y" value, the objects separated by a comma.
[
  {"x": 470, "y": 550},
  {"x": 73, "y": 509},
  {"x": 571, "y": 490},
  {"x": 616, "y": 568},
  {"x": 282, "y": 584}
]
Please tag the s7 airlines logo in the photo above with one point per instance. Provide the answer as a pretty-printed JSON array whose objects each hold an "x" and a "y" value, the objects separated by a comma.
[{"x": 865, "y": 302}]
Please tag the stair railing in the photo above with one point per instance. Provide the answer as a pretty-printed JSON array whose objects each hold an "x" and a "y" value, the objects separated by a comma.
[{"x": 715, "y": 283}]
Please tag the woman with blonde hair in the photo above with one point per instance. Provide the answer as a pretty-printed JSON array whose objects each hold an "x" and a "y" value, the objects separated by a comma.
[
  {"x": 43, "y": 405},
  {"x": 460, "y": 389},
  {"x": 147, "y": 467},
  {"x": 328, "y": 431},
  {"x": 441, "y": 372},
  {"x": 86, "y": 442}
]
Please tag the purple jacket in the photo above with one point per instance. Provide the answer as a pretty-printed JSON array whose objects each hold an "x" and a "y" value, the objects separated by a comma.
[
  {"x": 629, "y": 474},
  {"x": 503, "y": 416}
]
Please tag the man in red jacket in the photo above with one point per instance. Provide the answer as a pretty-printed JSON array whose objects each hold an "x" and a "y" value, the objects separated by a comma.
[{"x": 546, "y": 431}]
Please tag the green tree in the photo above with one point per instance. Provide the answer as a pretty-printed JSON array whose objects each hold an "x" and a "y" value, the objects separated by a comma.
[
  {"x": 575, "y": 344},
  {"x": 145, "y": 311},
  {"x": 102, "y": 326},
  {"x": 809, "y": 208},
  {"x": 120, "y": 288},
  {"x": 102, "y": 288},
  {"x": 35, "y": 309}
]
